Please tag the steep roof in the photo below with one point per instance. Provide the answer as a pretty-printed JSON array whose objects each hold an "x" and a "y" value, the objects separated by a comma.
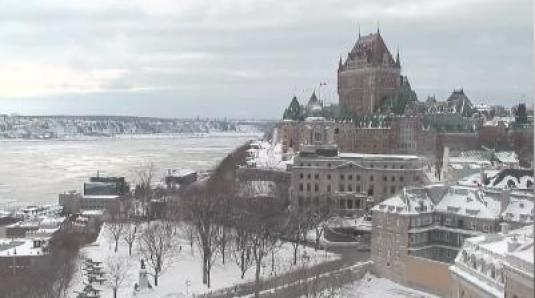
[
  {"x": 459, "y": 102},
  {"x": 371, "y": 49}
]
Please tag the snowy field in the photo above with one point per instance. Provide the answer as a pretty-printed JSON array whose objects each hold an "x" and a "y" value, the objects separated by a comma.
[
  {"x": 186, "y": 269},
  {"x": 372, "y": 287}
]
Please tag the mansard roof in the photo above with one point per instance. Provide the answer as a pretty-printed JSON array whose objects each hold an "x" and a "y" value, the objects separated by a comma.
[{"x": 371, "y": 49}]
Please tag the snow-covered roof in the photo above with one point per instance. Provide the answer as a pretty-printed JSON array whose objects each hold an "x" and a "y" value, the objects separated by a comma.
[
  {"x": 481, "y": 258},
  {"x": 102, "y": 197},
  {"x": 378, "y": 156},
  {"x": 519, "y": 210},
  {"x": 469, "y": 202},
  {"x": 18, "y": 247},
  {"x": 180, "y": 172},
  {"x": 409, "y": 201}
]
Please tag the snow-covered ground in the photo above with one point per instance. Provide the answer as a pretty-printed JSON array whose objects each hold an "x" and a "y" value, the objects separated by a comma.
[
  {"x": 268, "y": 156},
  {"x": 186, "y": 269},
  {"x": 371, "y": 286}
]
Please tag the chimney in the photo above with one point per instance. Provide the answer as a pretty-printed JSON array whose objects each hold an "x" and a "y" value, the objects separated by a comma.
[
  {"x": 504, "y": 200},
  {"x": 505, "y": 228}
]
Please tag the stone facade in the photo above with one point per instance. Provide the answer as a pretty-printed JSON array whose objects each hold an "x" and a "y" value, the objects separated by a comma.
[
  {"x": 369, "y": 76},
  {"x": 312, "y": 131},
  {"x": 349, "y": 182}
]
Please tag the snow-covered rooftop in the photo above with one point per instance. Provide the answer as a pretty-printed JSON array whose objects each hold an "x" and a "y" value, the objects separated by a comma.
[
  {"x": 519, "y": 210},
  {"x": 409, "y": 201},
  {"x": 469, "y": 202}
]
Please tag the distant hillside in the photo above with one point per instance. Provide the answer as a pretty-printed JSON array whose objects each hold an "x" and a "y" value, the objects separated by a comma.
[{"x": 50, "y": 127}]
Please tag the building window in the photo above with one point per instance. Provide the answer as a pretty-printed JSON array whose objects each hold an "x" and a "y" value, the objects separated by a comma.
[
  {"x": 316, "y": 176},
  {"x": 402, "y": 167},
  {"x": 350, "y": 177},
  {"x": 372, "y": 166},
  {"x": 316, "y": 187},
  {"x": 300, "y": 186},
  {"x": 401, "y": 178},
  {"x": 328, "y": 176},
  {"x": 308, "y": 186},
  {"x": 342, "y": 204},
  {"x": 384, "y": 178},
  {"x": 349, "y": 187},
  {"x": 392, "y": 189},
  {"x": 342, "y": 177},
  {"x": 371, "y": 178},
  {"x": 393, "y": 178},
  {"x": 301, "y": 176},
  {"x": 308, "y": 176},
  {"x": 358, "y": 188},
  {"x": 341, "y": 187},
  {"x": 328, "y": 188},
  {"x": 349, "y": 204}
]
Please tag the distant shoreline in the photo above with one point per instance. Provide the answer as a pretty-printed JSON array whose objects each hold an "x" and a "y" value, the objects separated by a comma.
[{"x": 139, "y": 137}]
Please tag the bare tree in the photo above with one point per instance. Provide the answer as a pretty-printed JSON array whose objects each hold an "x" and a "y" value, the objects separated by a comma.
[
  {"x": 157, "y": 245},
  {"x": 297, "y": 230},
  {"x": 117, "y": 272},
  {"x": 202, "y": 212},
  {"x": 241, "y": 250},
  {"x": 264, "y": 239},
  {"x": 143, "y": 191},
  {"x": 130, "y": 234},
  {"x": 115, "y": 229}
]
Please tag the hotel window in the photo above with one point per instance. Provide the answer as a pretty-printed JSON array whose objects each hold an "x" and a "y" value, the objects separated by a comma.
[
  {"x": 393, "y": 178},
  {"x": 358, "y": 177},
  {"x": 392, "y": 189},
  {"x": 350, "y": 177},
  {"x": 349, "y": 187},
  {"x": 485, "y": 228},
  {"x": 301, "y": 175},
  {"x": 402, "y": 167},
  {"x": 371, "y": 178},
  {"x": 473, "y": 226},
  {"x": 358, "y": 188},
  {"x": 401, "y": 178},
  {"x": 316, "y": 187},
  {"x": 384, "y": 178},
  {"x": 308, "y": 176}
]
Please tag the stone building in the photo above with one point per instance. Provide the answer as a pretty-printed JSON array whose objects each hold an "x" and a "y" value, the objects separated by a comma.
[
  {"x": 349, "y": 183},
  {"x": 312, "y": 131},
  {"x": 425, "y": 228},
  {"x": 495, "y": 265},
  {"x": 397, "y": 135},
  {"x": 369, "y": 76}
]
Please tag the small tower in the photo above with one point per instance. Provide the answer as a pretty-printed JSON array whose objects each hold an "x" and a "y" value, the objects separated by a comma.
[{"x": 398, "y": 63}]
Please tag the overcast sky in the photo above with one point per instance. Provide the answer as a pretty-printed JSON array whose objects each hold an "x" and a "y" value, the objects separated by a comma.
[{"x": 247, "y": 58}]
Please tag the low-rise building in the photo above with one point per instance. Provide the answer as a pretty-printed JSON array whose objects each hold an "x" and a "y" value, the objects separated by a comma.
[
  {"x": 426, "y": 228},
  {"x": 495, "y": 265}
]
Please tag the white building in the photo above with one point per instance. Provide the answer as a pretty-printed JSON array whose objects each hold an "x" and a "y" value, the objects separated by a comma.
[{"x": 495, "y": 265}]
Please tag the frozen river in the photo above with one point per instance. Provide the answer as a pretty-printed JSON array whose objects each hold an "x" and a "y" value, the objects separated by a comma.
[{"x": 36, "y": 171}]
